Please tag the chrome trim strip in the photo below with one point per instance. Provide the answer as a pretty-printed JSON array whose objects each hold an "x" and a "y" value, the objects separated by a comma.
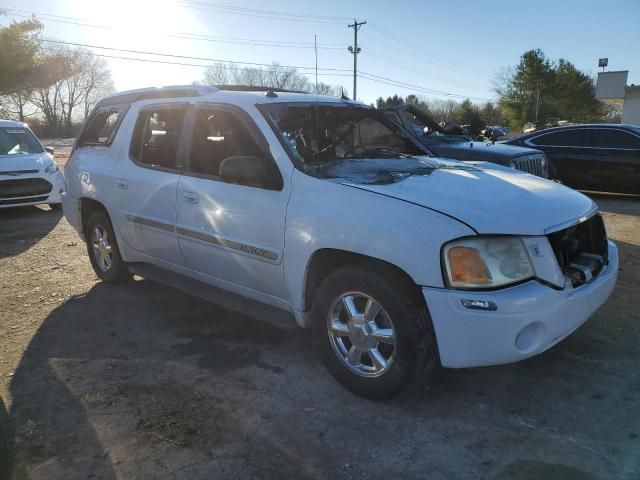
[
  {"x": 570, "y": 223},
  {"x": 151, "y": 223},
  {"x": 204, "y": 237}
]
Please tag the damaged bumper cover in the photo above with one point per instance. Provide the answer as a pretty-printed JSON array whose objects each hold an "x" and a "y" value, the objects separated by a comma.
[{"x": 528, "y": 318}]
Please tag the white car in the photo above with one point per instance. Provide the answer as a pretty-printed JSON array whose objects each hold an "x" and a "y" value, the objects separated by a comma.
[
  {"x": 28, "y": 173},
  {"x": 292, "y": 205}
]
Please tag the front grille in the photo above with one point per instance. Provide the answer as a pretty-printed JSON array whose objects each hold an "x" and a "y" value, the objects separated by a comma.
[
  {"x": 19, "y": 201},
  {"x": 533, "y": 164},
  {"x": 24, "y": 187},
  {"x": 581, "y": 250},
  {"x": 13, "y": 173}
]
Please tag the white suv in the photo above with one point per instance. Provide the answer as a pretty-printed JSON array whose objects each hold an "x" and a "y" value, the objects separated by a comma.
[
  {"x": 291, "y": 205},
  {"x": 28, "y": 173}
]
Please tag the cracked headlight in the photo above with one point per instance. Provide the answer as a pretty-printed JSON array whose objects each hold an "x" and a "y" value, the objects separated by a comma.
[{"x": 485, "y": 262}]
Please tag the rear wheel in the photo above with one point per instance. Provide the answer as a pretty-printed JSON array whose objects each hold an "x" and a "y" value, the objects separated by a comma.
[
  {"x": 373, "y": 332},
  {"x": 103, "y": 251}
]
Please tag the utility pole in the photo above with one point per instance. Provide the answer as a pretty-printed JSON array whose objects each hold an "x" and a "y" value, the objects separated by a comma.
[
  {"x": 537, "y": 97},
  {"x": 355, "y": 50}
]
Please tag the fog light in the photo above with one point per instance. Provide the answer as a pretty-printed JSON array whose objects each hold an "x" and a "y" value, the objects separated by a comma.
[{"x": 479, "y": 305}]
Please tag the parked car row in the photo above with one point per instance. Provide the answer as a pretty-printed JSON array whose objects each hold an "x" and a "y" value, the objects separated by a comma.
[
  {"x": 342, "y": 218},
  {"x": 590, "y": 157}
]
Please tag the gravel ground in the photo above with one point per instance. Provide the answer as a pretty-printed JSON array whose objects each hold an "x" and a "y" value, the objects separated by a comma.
[{"x": 138, "y": 381}]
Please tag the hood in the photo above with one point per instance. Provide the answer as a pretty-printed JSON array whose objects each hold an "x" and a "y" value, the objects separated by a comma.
[
  {"x": 16, "y": 163},
  {"x": 491, "y": 201},
  {"x": 481, "y": 151}
]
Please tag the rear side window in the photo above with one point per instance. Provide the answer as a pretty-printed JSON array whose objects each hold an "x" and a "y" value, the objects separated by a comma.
[
  {"x": 102, "y": 126},
  {"x": 614, "y": 138},
  {"x": 565, "y": 138},
  {"x": 157, "y": 136}
]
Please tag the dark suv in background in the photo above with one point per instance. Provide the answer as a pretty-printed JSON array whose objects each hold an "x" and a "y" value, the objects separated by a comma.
[
  {"x": 602, "y": 157},
  {"x": 453, "y": 143}
]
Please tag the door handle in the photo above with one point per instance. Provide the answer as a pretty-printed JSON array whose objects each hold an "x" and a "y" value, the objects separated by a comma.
[
  {"x": 191, "y": 198},
  {"x": 122, "y": 184}
]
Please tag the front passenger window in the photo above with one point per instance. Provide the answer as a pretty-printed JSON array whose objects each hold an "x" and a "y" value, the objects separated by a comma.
[
  {"x": 156, "y": 137},
  {"x": 218, "y": 135}
]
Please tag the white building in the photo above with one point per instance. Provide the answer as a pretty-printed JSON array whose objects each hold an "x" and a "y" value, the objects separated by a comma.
[{"x": 612, "y": 87}]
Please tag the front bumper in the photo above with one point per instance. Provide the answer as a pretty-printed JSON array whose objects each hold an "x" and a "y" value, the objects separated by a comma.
[
  {"x": 53, "y": 196},
  {"x": 529, "y": 319}
]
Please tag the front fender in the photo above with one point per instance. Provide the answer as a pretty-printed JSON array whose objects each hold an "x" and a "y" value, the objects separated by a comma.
[{"x": 327, "y": 215}]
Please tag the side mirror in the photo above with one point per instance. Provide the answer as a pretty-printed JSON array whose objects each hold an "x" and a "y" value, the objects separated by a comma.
[
  {"x": 248, "y": 170},
  {"x": 49, "y": 150}
]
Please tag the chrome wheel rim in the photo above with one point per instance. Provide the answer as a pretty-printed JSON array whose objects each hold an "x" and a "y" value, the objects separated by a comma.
[
  {"x": 362, "y": 334},
  {"x": 102, "y": 250}
]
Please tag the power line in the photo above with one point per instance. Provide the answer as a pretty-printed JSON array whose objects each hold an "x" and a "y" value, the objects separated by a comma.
[
  {"x": 143, "y": 52},
  {"x": 186, "y": 36},
  {"x": 225, "y": 67},
  {"x": 414, "y": 52},
  {"x": 411, "y": 69},
  {"x": 274, "y": 15},
  {"x": 415, "y": 47},
  {"x": 409, "y": 86}
]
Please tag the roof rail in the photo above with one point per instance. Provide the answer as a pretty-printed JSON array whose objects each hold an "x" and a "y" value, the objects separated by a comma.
[
  {"x": 255, "y": 88},
  {"x": 172, "y": 91}
]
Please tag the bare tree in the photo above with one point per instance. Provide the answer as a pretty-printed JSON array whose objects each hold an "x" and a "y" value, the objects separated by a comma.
[
  {"x": 274, "y": 76},
  {"x": 18, "y": 105}
]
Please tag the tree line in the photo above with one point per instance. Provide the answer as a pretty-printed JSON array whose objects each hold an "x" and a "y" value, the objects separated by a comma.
[
  {"x": 273, "y": 76},
  {"x": 53, "y": 88}
]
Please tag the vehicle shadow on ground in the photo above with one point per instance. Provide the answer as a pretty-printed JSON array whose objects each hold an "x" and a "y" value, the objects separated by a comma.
[
  {"x": 22, "y": 227},
  {"x": 138, "y": 380}
]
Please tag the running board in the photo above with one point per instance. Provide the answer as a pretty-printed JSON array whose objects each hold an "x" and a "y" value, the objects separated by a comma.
[{"x": 229, "y": 300}]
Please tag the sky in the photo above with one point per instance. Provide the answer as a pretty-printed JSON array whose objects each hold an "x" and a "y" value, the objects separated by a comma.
[{"x": 441, "y": 50}]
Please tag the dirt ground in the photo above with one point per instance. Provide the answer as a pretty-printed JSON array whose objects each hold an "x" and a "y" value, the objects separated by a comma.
[{"x": 138, "y": 381}]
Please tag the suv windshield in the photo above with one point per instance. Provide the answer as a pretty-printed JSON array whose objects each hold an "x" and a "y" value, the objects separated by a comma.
[
  {"x": 318, "y": 135},
  {"x": 18, "y": 141}
]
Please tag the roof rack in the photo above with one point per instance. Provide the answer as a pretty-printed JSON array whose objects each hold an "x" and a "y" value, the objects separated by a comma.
[
  {"x": 173, "y": 91},
  {"x": 255, "y": 88}
]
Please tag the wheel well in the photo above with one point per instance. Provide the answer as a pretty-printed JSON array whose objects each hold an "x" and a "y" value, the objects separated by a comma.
[
  {"x": 87, "y": 207},
  {"x": 327, "y": 260}
]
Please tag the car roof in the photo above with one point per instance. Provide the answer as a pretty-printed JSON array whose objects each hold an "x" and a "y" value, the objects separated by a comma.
[
  {"x": 11, "y": 123},
  {"x": 581, "y": 126},
  {"x": 234, "y": 94}
]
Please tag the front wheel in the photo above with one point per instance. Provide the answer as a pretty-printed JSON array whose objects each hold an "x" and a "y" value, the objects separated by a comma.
[{"x": 373, "y": 332}]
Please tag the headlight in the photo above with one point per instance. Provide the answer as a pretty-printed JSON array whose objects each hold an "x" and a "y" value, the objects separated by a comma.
[
  {"x": 485, "y": 262},
  {"x": 51, "y": 167}
]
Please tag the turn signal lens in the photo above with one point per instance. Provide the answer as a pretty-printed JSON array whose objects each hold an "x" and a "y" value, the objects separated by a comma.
[{"x": 467, "y": 267}]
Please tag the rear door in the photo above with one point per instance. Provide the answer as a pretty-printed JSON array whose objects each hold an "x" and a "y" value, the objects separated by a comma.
[
  {"x": 231, "y": 231},
  {"x": 617, "y": 160},
  {"x": 570, "y": 155},
  {"x": 147, "y": 181}
]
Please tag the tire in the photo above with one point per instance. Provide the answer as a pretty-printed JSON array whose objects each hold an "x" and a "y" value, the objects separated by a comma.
[
  {"x": 55, "y": 206},
  {"x": 106, "y": 262},
  {"x": 410, "y": 353},
  {"x": 6, "y": 444}
]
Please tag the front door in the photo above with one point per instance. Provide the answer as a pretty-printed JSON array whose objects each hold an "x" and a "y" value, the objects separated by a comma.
[
  {"x": 231, "y": 231},
  {"x": 147, "y": 182}
]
